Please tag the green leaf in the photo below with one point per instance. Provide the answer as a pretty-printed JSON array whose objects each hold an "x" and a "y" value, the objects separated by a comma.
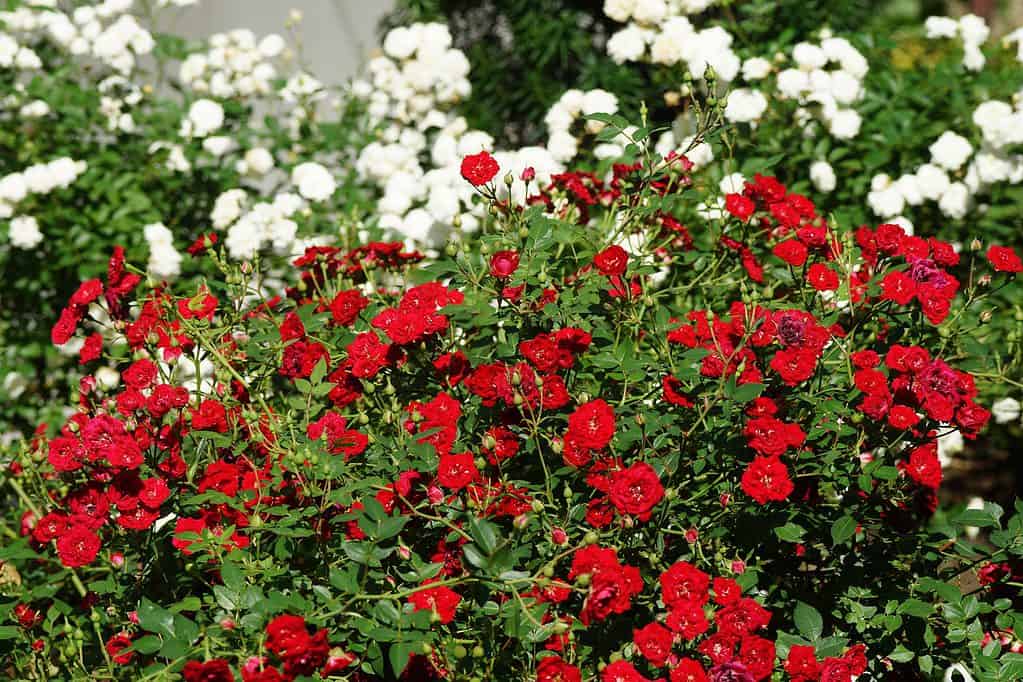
[
  {"x": 843, "y": 529},
  {"x": 155, "y": 618},
  {"x": 790, "y": 532},
  {"x": 398, "y": 655},
  {"x": 484, "y": 533},
  {"x": 808, "y": 621}
]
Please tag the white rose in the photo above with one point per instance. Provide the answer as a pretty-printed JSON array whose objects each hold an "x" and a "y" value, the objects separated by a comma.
[
  {"x": 845, "y": 124},
  {"x": 205, "y": 117},
  {"x": 941, "y": 27},
  {"x": 1005, "y": 410},
  {"x": 619, "y": 10},
  {"x": 822, "y": 175},
  {"x": 755, "y": 68},
  {"x": 955, "y": 202},
  {"x": 950, "y": 151},
  {"x": 745, "y": 105},
  {"x": 314, "y": 182},
  {"x": 627, "y": 45},
  {"x": 25, "y": 232},
  {"x": 932, "y": 181},
  {"x": 259, "y": 160}
]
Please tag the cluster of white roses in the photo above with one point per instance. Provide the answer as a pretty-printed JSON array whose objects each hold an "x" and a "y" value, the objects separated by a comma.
[
  {"x": 409, "y": 92},
  {"x": 236, "y": 63},
  {"x": 252, "y": 225},
  {"x": 41, "y": 178},
  {"x": 419, "y": 75},
  {"x": 117, "y": 96},
  {"x": 957, "y": 172},
  {"x": 164, "y": 259},
  {"x": 563, "y": 133},
  {"x": 971, "y": 29},
  {"x": 106, "y": 31},
  {"x": 669, "y": 38}
]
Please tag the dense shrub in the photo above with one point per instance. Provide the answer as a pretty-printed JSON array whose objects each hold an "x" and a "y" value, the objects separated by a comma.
[{"x": 612, "y": 442}]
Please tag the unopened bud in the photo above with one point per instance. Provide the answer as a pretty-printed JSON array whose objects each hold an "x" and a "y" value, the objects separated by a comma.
[{"x": 975, "y": 245}]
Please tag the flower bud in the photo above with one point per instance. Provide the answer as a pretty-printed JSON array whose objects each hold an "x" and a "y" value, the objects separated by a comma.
[{"x": 975, "y": 245}]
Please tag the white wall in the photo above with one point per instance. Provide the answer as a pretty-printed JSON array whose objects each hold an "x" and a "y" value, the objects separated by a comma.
[{"x": 336, "y": 35}]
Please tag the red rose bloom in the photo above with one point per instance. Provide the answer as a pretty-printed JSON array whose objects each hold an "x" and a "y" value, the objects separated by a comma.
[
  {"x": 441, "y": 600},
  {"x": 592, "y": 425},
  {"x": 792, "y": 251},
  {"x": 216, "y": 670},
  {"x": 622, "y": 671},
  {"x": 479, "y": 169},
  {"x": 612, "y": 261},
  {"x": 116, "y": 645},
  {"x": 898, "y": 287},
  {"x": 688, "y": 670},
  {"x": 1004, "y": 259},
  {"x": 87, "y": 292},
  {"x": 503, "y": 264},
  {"x": 766, "y": 479},
  {"x": 457, "y": 471},
  {"x": 554, "y": 669},
  {"x": 77, "y": 546},
  {"x": 654, "y": 642},
  {"x": 739, "y": 206},
  {"x": 683, "y": 582},
  {"x": 822, "y": 278},
  {"x": 346, "y": 306},
  {"x": 801, "y": 665},
  {"x": 636, "y": 490},
  {"x": 923, "y": 466}
]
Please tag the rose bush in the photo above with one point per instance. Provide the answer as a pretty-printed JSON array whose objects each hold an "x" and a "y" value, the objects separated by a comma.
[{"x": 633, "y": 430}]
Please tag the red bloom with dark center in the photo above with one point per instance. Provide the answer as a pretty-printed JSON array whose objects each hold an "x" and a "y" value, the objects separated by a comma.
[
  {"x": 636, "y": 490},
  {"x": 346, "y": 306},
  {"x": 441, "y": 600},
  {"x": 1004, "y": 259},
  {"x": 479, "y": 169},
  {"x": 739, "y": 206},
  {"x": 554, "y": 669},
  {"x": 822, "y": 278},
  {"x": 792, "y": 251},
  {"x": 612, "y": 261},
  {"x": 654, "y": 642},
  {"x": 216, "y": 670},
  {"x": 683, "y": 582},
  {"x": 457, "y": 471},
  {"x": 503, "y": 264},
  {"x": 78, "y": 546},
  {"x": 766, "y": 479},
  {"x": 592, "y": 425}
]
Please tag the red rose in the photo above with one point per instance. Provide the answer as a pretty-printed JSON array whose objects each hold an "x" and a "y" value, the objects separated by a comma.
[
  {"x": 554, "y": 669},
  {"x": 346, "y": 306},
  {"x": 757, "y": 654},
  {"x": 592, "y": 425},
  {"x": 688, "y": 619},
  {"x": 116, "y": 645},
  {"x": 822, "y": 278},
  {"x": 1004, "y": 259},
  {"x": 441, "y": 600},
  {"x": 792, "y": 251},
  {"x": 801, "y": 665},
  {"x": 739, "y": 206},
  {"x": 636, "y": 490},
  {"x": 77, "y": 546},
  {"x": 688, "y": 670},
  {"x": 503, "y": 264},
  {"x": 612, "y": 261},
  {"x": 622, "y": 671},
  {"x": 766, "y": 479},
  {"x": 457, "y": 471},
  {"x": 924, "y": 467},
  {"x": 683, "y": 582},
  {"x": 898, "y": 287},
  {"x": 902, "y": 417},
  {"x": 87, "y": 292},
  {"x": 654, "y": 642},
  {"x": 794, "y": 365},
  {"x": 479, "y": 169},
  {"x": 216, "y": 670},
  {"x": 91, "y": 349}
]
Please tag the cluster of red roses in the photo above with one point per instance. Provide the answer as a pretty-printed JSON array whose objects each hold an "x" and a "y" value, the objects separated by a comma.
[{"x": 733, "y": 651}]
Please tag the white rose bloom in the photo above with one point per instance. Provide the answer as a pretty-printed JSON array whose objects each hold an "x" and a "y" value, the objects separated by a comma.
[
  {"x": 845, "y": 124},
  {"x": 39, "y": 179},
  {"x": 650, "y": 11},
  {"x": 941, "y": 27},
  {"x": 955, "y": 202},
  {"x": 909, "y": 187},
  {"x": 619, "y": 10},
  {"x": 904, "y": 223},
  {"x": 108, "y": 378},
  {"x": 733, "y": 183},
  {"x": 13, "y": 188},
  {"x": 745, "y": 105},
  {"x": 218, "y": 145},
  {"x": 755, "y": 68},
  {"x": 227, "y": 208},
  {"x": 259, "y": 160},
  {"x": 932, "y": 181},
  {"x": 598, "y": 101},
  {"x": 822, "y": 175},
  {"x": 24, "y": 232},
  {"x": 35, "y": 109},
  {"x": 15, "y": 384},
  {"x": 1005, "y": 410},
  {"x": 844, "y": 87},
  {"x": 992, "y": 168},
  {"x": 627, "y": 45},
  {"x": 950, "y": 151},
  {"x": 973, "y": 29},
  {"x": 973, "y": 58},
  {"x": 204, "y": 117},
  {"x": 314, "y": 181},
  {"x": 885, "y": 199},
  {"x": 271, "y": 46},
  {"x": 562, "y": 145},
  {"x": 809, "y": 57},
  {"x": 792, "y": 83},
  {"x": 989, "y": 114}
]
